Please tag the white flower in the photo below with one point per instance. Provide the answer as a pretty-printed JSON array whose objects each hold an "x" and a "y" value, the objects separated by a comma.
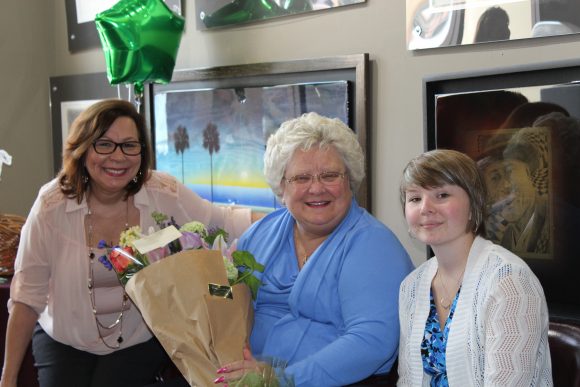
[
  {"x": 129, "y": 236},
  {"x": 231, "y": 270},
  {"x": 195, "y": 227}
]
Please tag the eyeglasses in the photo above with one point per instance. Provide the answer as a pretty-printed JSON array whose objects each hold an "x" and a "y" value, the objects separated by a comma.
[
  {"x": 106, "y": 147},
  {"x": 327, "y": 178}
]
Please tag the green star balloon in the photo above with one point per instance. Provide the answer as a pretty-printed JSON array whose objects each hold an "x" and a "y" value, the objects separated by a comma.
[{"x": 140, "y": 39}]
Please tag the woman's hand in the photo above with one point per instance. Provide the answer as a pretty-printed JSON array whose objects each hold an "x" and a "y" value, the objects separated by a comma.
[{"x": 236, "y": 370}]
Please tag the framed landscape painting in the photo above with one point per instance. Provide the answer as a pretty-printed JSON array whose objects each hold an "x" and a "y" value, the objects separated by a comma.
[{"x": 210, "y": 126}]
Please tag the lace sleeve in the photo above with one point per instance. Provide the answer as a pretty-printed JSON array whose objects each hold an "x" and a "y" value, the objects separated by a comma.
[{"x": 516, "y": 324}]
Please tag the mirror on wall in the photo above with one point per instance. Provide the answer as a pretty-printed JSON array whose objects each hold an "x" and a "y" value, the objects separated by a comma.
[
  {"x": 228, "y": 13},
  {"x": 441, "y": 23}
]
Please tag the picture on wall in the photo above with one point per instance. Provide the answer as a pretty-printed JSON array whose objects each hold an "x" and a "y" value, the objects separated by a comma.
[
  {"x": 70, "y": 110},
  {"x": 523, "y": 130},
  {"x": 442, "y": 23},
  {"x": 69, "y": 96},
  {"x": 223, "y": 13},
  {"x": 516, "y": 166},
  {"x": 210, "y": 126},
  {"x": 80, "y": 20},
  {"x": 213, "y": 140}
]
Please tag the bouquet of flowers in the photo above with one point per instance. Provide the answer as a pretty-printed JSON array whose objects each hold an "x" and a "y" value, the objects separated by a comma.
[
  {"x": 192, "y": 289},
  {"x": 126, "y": 259}
]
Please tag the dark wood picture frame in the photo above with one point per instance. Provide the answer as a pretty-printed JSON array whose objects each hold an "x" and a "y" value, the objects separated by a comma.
[
  {"x": 351, "y": 68},
  {"x": 458, "y": 107}
]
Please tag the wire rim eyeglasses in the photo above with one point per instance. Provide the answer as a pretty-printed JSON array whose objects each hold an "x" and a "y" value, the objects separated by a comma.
[
  {"x": 107, "y": 147},
  {"x": 328, "y": 179}
]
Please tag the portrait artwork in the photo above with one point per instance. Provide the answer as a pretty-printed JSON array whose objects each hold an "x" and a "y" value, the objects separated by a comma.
[
  {"x": 502, "y": 131},
  {"x": 523, "y": 130},
  {"x": 516, "y": 166}
]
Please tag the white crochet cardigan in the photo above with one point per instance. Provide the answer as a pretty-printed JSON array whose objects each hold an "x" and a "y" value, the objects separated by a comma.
[{"x": 499, "y": 332}]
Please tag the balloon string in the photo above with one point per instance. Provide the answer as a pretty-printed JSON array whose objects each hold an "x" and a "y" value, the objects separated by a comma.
[{"x": 138, "y": 90}]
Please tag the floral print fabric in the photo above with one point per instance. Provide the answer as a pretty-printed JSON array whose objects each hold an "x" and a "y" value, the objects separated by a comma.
[{"x": 434, "y": 344}]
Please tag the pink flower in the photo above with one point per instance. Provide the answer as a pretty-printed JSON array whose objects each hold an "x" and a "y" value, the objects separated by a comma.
[
  {"x": 190, "y": 241},
  {"x": 221, "y": 245},
  {"x": 158, "y": 254}
]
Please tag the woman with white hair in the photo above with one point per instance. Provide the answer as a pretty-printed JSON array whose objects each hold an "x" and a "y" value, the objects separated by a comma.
[{"x": 328, "y": 301}]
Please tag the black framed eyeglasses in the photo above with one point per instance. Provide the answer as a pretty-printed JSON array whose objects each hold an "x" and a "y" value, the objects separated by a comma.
[
  {"x": 326, "y": 178},
  {"x": 129, "y": 148}
]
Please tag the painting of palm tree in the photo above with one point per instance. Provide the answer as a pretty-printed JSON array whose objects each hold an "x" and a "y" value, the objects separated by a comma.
[
  {"x": 236, "y": 122},
  {"x": 211, "y": 142},
  {"x": 181, "y": 140}
]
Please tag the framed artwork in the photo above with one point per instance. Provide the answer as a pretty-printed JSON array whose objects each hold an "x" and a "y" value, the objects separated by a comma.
[
  {"x": 69, "y": 96},
  {"x": 224, "y": 13},
  {"x": 80, "y": 20},
  {"x": 522, "y": 126},
  {"x": 210, "y": 126},
  {"x": 442, "y": 23}
]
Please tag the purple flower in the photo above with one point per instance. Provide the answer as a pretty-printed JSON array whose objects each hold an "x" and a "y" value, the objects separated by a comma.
[
  {"x": 102, "y": 244},
  {"x": 158, "y": 254},
  {"x": 190, "y": 241},
  {"x": 105, "y": 261}
]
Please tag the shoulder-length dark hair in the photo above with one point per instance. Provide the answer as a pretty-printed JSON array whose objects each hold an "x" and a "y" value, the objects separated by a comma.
[{"x": 89, "y": 126}]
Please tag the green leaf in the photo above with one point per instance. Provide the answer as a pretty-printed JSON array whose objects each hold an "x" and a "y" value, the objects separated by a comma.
[
  {"x": 254, "y": 284},
  {"x": 251, "y": 379},
  {"x": 246, "y": 260},
  {"x": 247, "y": 265},
  {"x": 159, "y": 217},
  {"x": 210, "y": 237}
]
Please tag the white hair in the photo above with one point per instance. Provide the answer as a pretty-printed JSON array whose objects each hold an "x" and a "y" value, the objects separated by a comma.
[{"x": 303, "y": 133}]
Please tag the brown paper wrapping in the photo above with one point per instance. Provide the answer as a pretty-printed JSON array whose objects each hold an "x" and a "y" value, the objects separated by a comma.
[{"x": 199, "y": 332}]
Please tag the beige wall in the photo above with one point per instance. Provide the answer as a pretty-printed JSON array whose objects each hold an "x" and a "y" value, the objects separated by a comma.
[
  {"x": 25, "y": 49},
  {"x": 377, "y": 27}
]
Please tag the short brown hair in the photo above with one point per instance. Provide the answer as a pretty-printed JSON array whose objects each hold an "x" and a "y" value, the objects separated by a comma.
[
  {"x": 89, "y": 126},
  {"x": 444, "y": 166}
]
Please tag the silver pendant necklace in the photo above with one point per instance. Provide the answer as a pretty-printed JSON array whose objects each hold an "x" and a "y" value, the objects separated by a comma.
[
  {"x": 119, "y": 320},
  {"x": 300, "y": 246},
  {"x": 446, "y": 301}
]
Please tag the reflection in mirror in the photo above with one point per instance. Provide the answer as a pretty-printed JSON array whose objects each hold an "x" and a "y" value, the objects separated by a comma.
[
  {"x": 222, "y": 13},
  {"x": 440, "y": 23},
  {"x": 526, "y": 141}
]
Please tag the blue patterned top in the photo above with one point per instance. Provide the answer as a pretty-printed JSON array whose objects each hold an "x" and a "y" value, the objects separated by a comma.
[{"x": 434, "y": 344}]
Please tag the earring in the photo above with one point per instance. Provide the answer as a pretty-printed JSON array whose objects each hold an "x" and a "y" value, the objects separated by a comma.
[
  {"x": 85, "y": 179},
  {"x": 136, "y": 179}
]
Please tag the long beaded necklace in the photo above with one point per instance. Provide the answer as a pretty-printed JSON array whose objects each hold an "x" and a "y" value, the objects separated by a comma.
[{"x": 119, "y": 320}]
